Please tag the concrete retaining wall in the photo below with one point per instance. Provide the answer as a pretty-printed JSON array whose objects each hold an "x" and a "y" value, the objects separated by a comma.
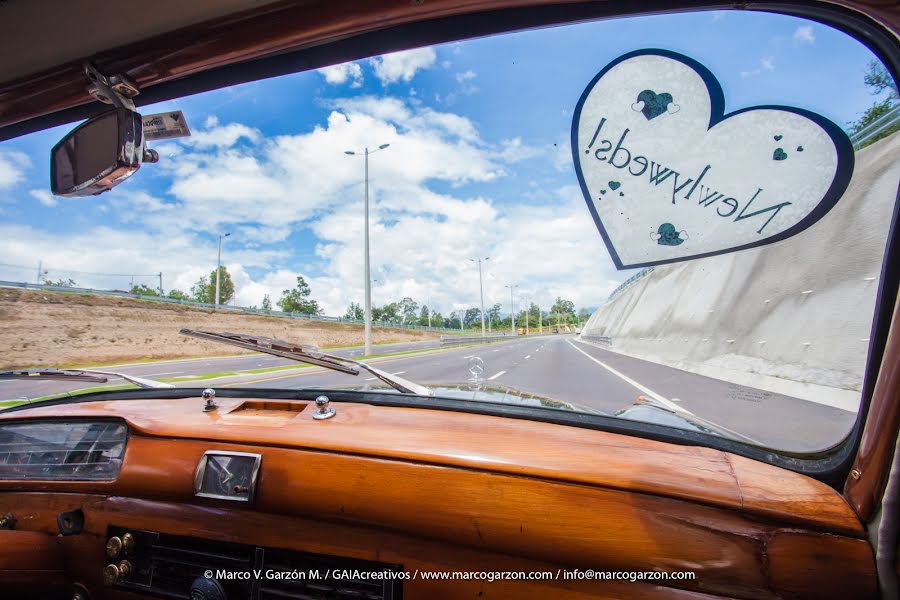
[{"x": 793, "y": 317}]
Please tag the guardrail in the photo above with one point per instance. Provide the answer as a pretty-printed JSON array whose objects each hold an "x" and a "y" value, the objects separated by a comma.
[
  {"x": 879, "y": 125},
  {"x": 242, "y": 309},
  {"x": 597, "y": 339},
  {"x": 640, "y": 274},
  {"x": 459, "y": 340}
]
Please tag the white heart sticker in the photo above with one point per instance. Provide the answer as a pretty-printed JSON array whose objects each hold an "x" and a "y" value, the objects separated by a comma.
[{"x": 668, "y": 176}]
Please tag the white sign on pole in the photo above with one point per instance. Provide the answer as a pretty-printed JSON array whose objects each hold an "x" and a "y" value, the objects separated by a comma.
[{"x": 668, "y": 176}]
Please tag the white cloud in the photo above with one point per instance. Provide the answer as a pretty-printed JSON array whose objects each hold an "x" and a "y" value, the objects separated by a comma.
[
  {"x": 515, "y": 150},
  {"x": 766, "y": 64},
  {"x": 340, "y": 74},
  {"x": 466, "y": 76},
  {"x": 264, "y": 189},
  {"x": 44, "y": 197},
  {"x": 804, "y": 34},
  {"x": 402, "y": 66},
  {"x": 12, "y": 167},
  {"x": 225, "y": 136}
]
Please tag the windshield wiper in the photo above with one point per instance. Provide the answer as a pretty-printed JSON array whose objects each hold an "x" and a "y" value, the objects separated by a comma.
[
  {"x": 308, "y": 354},
  {"x": 81, "y": 375}
]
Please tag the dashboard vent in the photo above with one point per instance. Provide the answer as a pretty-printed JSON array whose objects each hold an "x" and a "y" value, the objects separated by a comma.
[
  {"x": 167, "y": 566},
  {"x": 62, "y": 450}
]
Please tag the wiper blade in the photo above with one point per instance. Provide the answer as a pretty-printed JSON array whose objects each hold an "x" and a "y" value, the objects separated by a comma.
[
  {"x": 81, "y": 375},
  {"x": 697, "y": 421},
  {"x": 307, "y": 354}
]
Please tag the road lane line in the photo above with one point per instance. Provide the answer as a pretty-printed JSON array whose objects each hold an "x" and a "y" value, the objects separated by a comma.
[
  {"x": 527, "y": 357},
  {"x": 496, "y": 375},
  {"x": 633, "y": 383}
]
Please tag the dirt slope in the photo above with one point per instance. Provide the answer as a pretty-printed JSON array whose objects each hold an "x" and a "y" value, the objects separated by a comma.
[{"x": 64, "y": 329}]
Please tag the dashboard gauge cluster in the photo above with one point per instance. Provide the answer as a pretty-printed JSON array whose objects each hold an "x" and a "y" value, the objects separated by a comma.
[
  {"x": 227, "y": 475},
  {"x": 62, "y": 450}
]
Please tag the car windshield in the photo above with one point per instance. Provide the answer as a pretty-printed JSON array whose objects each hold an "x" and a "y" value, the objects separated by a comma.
[{"x": 533, "y": 228}]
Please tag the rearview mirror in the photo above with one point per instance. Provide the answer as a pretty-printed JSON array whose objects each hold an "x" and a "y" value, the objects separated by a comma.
[{"x": 99, "y": 154}]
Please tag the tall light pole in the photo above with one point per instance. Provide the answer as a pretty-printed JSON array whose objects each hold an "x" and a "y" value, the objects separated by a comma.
[
  {"x": 219, "y": 265},
  {"x": 481, "y": 290},
  {"x": 512, "y": 307},
  {"x": 368, "y": 312}
]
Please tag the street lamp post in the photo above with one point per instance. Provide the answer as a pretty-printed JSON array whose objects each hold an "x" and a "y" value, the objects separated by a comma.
[
  {"x": 219, "y": 265},
  {"x": 368, "y": 311},
  {"x": 481, "y": 290},
  {"x": 512, "y": 307}
]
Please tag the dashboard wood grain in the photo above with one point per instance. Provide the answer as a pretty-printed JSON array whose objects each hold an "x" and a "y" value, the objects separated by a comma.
[
  {"x": 496, "y": 445},
  {"x": 566, "y": 524}
]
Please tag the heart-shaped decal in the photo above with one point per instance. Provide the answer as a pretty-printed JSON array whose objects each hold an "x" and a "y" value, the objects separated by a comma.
[
  {"x": 652, "y": 104},
  {"x": 614, "y": 185},
  {"x": 778, "y": 138},
  {"x": 709, "y": 172}
]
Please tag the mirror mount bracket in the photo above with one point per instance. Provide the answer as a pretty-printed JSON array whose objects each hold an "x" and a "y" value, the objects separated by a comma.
[{"x": 117, "y": 90}]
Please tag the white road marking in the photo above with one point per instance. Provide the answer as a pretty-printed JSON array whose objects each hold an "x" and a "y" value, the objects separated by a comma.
[
  {"x": 495, "y": 351},
  {"x": 469, "y": 356},
  {"x": 527, "y": 357},
  {"x": 496, "y": 375},
  {"x": 158, "y": 374},
  {"x": 633, "y": 383}
]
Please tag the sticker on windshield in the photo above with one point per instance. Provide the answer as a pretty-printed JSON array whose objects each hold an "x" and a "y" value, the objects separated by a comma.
[
  {"x": 163, "y": 126},
  {"x": 668, "y": 176}
]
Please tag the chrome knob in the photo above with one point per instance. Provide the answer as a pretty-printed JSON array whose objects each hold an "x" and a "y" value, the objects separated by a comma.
[
  {"x": 125, "y": 570},
  {"x": 110, "y": 574},
  {"x": 323, "y": 411},
  {"x": 209, "y": 395},
  {"x": 114, "y": 547},
  {"x": 127, "y": 543}
]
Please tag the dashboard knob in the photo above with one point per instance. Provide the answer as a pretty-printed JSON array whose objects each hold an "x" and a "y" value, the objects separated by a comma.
[
  {"x": 127, "y": 543},
  {"x": 207, "y": 589},
  {"x": 125, "y": 570},
  {"x": 324, "y": 411},
  {"x": 110, "y": 574},
  {"x": 114, "y": 547}
]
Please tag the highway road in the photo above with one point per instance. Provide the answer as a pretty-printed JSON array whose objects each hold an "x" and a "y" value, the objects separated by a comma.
[{"x": 558, "y": 367}]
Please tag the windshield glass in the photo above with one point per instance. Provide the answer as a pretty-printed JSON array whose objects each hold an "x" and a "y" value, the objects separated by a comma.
[{"x": 503, "y": 265}]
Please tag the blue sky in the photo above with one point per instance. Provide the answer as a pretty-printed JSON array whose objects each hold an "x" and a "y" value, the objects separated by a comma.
[{"x": 479, "y": 165}]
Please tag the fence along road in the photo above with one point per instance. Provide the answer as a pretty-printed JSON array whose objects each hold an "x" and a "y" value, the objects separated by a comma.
[{"x": 242, "y": 309}]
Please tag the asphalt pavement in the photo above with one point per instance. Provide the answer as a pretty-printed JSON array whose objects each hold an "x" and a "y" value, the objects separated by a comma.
[{"x": 558, "y": 367}]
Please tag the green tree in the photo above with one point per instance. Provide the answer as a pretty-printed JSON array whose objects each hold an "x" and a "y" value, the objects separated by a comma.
[
  {"x": 200, "y": 290},
  {"x": 267, "y": 303},
  {"x": 408, "y": 308},
  {"x": 226, "y": 286},
  {"x": 879, "y": 81},
  {"x": 494, "y": 313},
  {"x": 61, "y": 282},
  {"x": 177, "y": 295},
  {"x": 424, "y": 316},
  {"x": 472, "y": 317},
  {"x": 144, "y": 290},
  {"x": 205, "y": 288},
  {"x": 355, "y": 312},
  {"x": 389, "y": 312},
  {"x": 297, "y": 300}
]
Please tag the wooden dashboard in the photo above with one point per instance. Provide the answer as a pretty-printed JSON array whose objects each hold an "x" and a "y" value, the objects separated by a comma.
[{"x": 443, "y": 491}]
